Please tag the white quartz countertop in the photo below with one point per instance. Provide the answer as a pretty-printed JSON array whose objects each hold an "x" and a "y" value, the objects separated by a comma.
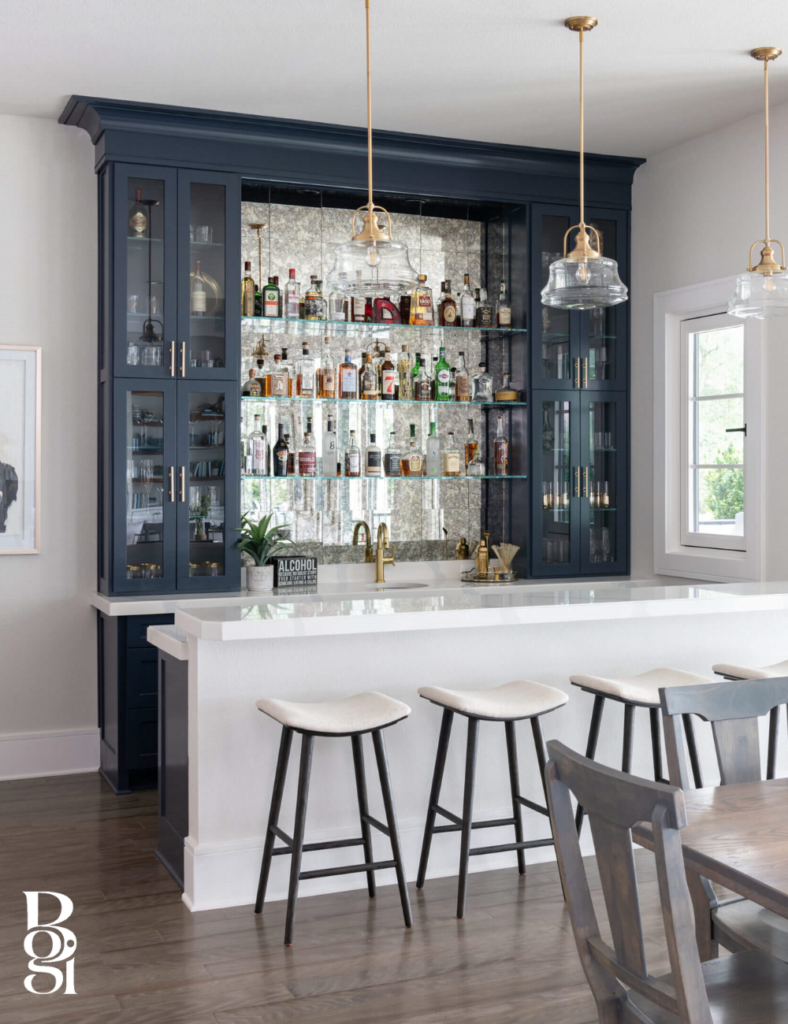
[{"x": 445, "y": 606}]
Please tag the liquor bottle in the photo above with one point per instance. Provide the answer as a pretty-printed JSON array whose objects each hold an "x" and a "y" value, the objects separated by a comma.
[
  {"x": 369, "y": 312},
  {"x": 292, "y": 297},
  {"x": 352, "y": 457},
  {"x": 373, "y": 459},
  {"x": 285, "y": 368},
  {"x": 377, "y": 363},
  {"x": 404, "y": 375},
  {"x": 280, "y": 296},
  {"x": 392, "y": 463},
  {"x": 467, "y": 304},
  {"x": 313, "y": 300},
  {"x": 252, "y": 387},
  {"x": 328, "y": 381},
  {"x": 305, "y": 374},
  {"x": 329, "y": 464},
  {"x": 291, "y": 457},
  {"x": 448, "y": 307},
  {"x": 471, "y": 444},
  {"x": 482, "y": 385},
  {"x": 248, "y": 289},
  {"x": 307, "y": 457},
  {"x": 421, "y": 304},
  {"x": 348, "y": 377},
  {"x": 258, "y": 299},
  {"x": 280, "y": 453},
  {"x": 501, "y": 450},
  {"x": 259, "y": 449},
  {"x": 337, "y": 302},
  {"x": 271, "y": 298},
  {"x": 504, "y": 311},
  {"x": 434, "y": 377},
  {"x": 404, "y": 308},
  {"x": 443, "y": 392},
  {"x": 246, "y": 454},
  {"x": 462, "y": 380},
  {"x": 198, "y": 302},
  {"x": 484, "y": 310},
  {"x": 388, "y": 378},
  {"x": 413, "y": 460},
  {"x": 138, "y": 218},
  {"x": 276, "y": 381},
  {"x": 422, "y": 388},
  {"x": 369, "y": 379},
  {"x": 433, "y": 460},
  {"x": 451, "y": 458},
  {"x": 415, "y": 372},
  {"x": 475, "y": 467}
]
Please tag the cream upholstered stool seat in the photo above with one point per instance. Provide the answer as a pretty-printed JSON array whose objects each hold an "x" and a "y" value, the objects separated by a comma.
[
  {"x": 776, "y": 671},
  {"x": 353, "y": 716},
  {"x": 640, "y": 691},
  {"x": 507, "y": 703}
]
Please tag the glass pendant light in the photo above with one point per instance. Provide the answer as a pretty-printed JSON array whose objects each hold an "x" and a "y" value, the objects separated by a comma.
[
  {"x": 584, "y": 278},
  {"x": 762, "y": 291},
  {"x": 371, "y": 263}
]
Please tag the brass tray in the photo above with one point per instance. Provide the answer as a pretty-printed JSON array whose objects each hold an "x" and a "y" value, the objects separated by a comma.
[{"x": 472, "y": 576}]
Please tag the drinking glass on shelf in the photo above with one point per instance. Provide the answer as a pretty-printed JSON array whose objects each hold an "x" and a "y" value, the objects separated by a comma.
[
  {"x": 155, "y": 305},
  {"x": 203, "y": 233},
  {"x": 608, "y": 440},
  {"x": 206, "y": 358},
  {"x": 133, "y": 303},
  {"x": 145, "y": 475},
  {"x": 606, "y": 545},
  {"x": 132, "y": 354}
]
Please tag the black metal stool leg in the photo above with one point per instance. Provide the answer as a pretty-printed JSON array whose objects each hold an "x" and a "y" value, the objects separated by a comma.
[
  {"x": 629, "y": 721},
  {"x": 593, "y": 736},
  {"x": 656, "y": 743},
  {"x": 435, "y": 792},
  {"x": 467, "y": 813},
  {"x": 273, "y": 815},
  {"x": 391, "y": 821},
  {"x": 307, "y": 741},
  {"x": 692, "y": 747},
  {"x": 363, "y": 809},
  {"x": 774, "y": 725},
  {"x": 541, "y": 757},
  {"x": 514, "y": 783}
]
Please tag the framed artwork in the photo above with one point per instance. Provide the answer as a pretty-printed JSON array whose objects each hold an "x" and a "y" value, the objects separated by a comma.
[{"x": 20, "y": 450}]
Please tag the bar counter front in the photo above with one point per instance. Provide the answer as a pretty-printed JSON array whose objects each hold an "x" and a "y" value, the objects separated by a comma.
[{"x": 218, "y": 753}]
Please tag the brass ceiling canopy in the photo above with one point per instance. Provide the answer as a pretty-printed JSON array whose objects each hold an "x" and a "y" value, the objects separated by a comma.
[{"x": 581, "y": 23}]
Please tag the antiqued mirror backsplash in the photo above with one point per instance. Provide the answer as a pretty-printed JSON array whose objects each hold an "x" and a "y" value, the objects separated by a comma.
[{"x": 426, "y": 517}]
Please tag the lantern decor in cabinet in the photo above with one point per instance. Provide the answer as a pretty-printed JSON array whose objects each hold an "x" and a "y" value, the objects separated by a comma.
[
  {"x": 144, "y": 291},
  {"x": 206, "y": 484},
  {"x": 207, "y": 347},
  {"x": 149, "y": 485}
]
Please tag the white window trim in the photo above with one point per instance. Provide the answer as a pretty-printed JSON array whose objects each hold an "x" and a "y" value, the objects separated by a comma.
[{"x": 671, "y": 557}]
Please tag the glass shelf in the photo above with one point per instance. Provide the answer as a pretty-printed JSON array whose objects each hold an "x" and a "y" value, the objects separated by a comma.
[
  {"x": 375, "y": 479},
  {"x": 356, "y": 329},
  {"x": 376, "y": 403}
]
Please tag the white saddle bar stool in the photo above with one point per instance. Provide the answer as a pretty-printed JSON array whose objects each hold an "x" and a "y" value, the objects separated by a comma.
[{"x": 777, "y": 671}]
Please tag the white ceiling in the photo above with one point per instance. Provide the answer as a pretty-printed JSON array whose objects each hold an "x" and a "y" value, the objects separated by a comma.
[{"x": 492, "y": 70}]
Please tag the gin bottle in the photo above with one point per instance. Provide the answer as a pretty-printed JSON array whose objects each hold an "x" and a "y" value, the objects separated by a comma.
[{"x": 434, "y": 461}]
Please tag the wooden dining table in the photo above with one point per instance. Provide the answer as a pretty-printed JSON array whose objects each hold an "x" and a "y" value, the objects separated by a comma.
[{"x": 737, "y": 836}]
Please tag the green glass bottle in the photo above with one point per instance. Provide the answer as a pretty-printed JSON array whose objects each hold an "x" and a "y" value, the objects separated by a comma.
[{"x": 442, "y": 378}]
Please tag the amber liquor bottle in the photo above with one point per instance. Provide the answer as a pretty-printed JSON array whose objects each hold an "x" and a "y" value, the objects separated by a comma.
[{"x": 448, "y": 308}]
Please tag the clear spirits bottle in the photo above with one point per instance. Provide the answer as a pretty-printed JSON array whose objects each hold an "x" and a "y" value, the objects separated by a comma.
[
  {"x": 369, "y": 379},
  {"x": 352, "y": 457},
  {"x": 471, "y": 445},
  {"x": 482, "y": 385},
  {"x": 259, "y": 446},
  {"x": 388, "y": 378},
  {"x": 504, "y": 311},
  {"x": 198, "y": 303},
  {"x": 448, "y": 307},
  {"x": 307, "y": 456},
  {"x": 247, "y": 291},
  {"x": 423, "y": 384},
  {"x": 276, "y": 381},
  {"x": 392, "y": 463},
  {"x": 292, "y": 299},
  {"x": 280, "y": 453},
  {"x": 337, "y": 303},
  {"x": 451, "y": 458},
  {"x": 501, "y": 450},
  {"x": 328, "y": 466},
  {"x": 467, "y": 304},
  {"x": 443, "y": 392},
  {"x": 413, "y": 460},
  {"x": 462, "y": 380},
  {"x": 305, "y": 373},
  {"x": 328, "y": 381},
  {"x": 373, "y": 459},
  {"x": 348, "y": 377},
  {"x": 405, "y": 368},
  {"x": 433, "y": 460},
  {"x": 421, "y": 314}
]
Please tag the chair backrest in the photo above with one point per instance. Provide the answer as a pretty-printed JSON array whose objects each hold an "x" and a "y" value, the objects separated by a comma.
[
  {"x": 733, "y": 708},
  {"x": 614, "y": 802}
]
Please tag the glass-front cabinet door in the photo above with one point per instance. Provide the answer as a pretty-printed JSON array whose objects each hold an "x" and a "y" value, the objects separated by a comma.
[
  {"x": 207, "y": 486},
  {"x": 144, "y": 317},
  {"x": 209, "y": 278},
  {"x": 604, "y": 484},
  {"x": 144, "y": 486},
  {"x": 603, "y": 331},
  {"x": 555, "y": 485},
  {"x": 554, "y": 332}
]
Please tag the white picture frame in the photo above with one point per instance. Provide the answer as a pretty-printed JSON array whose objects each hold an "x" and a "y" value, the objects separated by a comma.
[{"x": 20, "y": 450}]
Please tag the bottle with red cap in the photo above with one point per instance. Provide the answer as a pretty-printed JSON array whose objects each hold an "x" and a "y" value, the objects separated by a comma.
[{"x": 292, "y": 297}]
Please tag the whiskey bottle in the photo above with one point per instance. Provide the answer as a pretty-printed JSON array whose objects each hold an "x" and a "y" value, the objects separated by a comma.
[
  {"x": 348, "y": 377},
  {"x": 451, "y": 458},
  {"x": 313, "y": 300},
  {"x": 501, "y": 450},
  {"x": 443, "y": 392},
  {"x": 392, "y": 463},
  {"x": 280, "y": 453},
  {"x": 138, "y": 218},
  {"x": 328, "y": 466},
  {"x": 388, "y": 378},
  {"x": 504, "y": 311},
  {"x": 198, "y": 303},
  {"x": 462, "y": 380},
  {"x": 471, "y": 445},
  {"x": 248, "y": 289},
  {"x": 433, "y": 461},
  {"x": 271, "y": 299},
  {"x": 405, "y": 368},
  {"x": 448, "y": 307},
  {"x": 413, "y": 460},
  {"x": 352, "y": 457},
  {"x": 484, "y": 310},
  {"x": 307, "y": 457},
  {"x": 369, "y": 379},
  {"x": 328, "y": 383},
  {"x": 305, "y": 373},
  {"x": 421, "y": 304},
  {"x": 259, "y": 449},
  {"x": 292, "y": 297},
  {"x": 373, "y": 459},
  {"x": 422, "y": 388},
  {"x": 475, "y": 467},
  {"x": 276, "y": 381},
  {"x": 467, "y": 304}
]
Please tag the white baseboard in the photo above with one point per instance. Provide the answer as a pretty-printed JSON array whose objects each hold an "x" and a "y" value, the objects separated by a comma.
[
  {"x": 220, "y": 875},
  {"x": 32, "y": 755}
]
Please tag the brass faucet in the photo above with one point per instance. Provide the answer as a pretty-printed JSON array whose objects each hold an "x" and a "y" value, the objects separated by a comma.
[
  {"x": 369, "y": 554},
  {"x": 382, "y": 559}
]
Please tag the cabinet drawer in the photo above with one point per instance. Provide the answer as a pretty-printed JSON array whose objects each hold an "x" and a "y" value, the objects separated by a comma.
[
  {"x": 142, "y": 678},
  {"x": 142, "y": 738},
  {"x": 137, "y": 628}
]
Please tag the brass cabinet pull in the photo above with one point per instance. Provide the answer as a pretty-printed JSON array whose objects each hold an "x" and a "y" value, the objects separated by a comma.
[
  {"x": 171, "y": 488},
  {"x": 183, "y": 359},
  {"x": 182, "y": 493},
  {"x": 577, "y": 373},
  {"x": 585, "y": 481},
  {"x": 585, "y": 372},
  {"x": 577, "y": 481},
  {"x": 172, "y": 358}
]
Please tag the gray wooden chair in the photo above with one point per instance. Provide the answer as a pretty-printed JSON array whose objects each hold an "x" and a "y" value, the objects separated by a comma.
[
  {"x": 733, "y": 708},
  {"x": 745, "y": 988}
]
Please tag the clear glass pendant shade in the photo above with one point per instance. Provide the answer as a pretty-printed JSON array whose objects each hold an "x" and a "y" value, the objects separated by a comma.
[
  {"x": 586, "y": 284},
  {"x": 365, "y": 268},
  {"x": 763, "y": 296}
]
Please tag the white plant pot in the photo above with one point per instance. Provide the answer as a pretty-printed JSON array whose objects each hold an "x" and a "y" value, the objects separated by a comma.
[{"x": 259, "y": 578}]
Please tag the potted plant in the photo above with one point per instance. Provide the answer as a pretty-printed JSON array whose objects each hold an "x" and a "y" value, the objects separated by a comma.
[{"x": 261, "y": 541}]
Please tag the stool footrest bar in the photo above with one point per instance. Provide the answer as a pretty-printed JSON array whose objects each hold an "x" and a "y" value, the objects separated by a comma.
[
  {"x": 532, "y": 806},
  {"x": 369, "y": 820},
  {"x": 507, "y": 847},
  {"x": 334, "y": 844},
  {"x": 348, "y": 869},
  {"x": 494, "y": 823}
]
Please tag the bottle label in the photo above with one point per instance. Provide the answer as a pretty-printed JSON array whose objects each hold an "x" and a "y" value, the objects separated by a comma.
[
  {"x": 451, "y": 463},
  {"x": 198, "y": 300},
  {"x": 348, "y": 380},
  {"x": 393, "y": 465},
  {"x": 449, "y": 315},
  {"x": 504, "y": 317},
  {"x": 313, "y": 307},
  {"x": 423, "y": 391},
  {"x": 271, "y": 307},
  {"x": 484, "y": 316},
  {"x": 330, "y": 443},
  {"x": 463, "y": 387},
  {"x": 416, "y": 465},
  {"x": 328, "y": 381},
  {"x": 277, "y": 385},
  {"x": 258, "y": 456},
  {"x": 388, "y": 382},
  {"x": 138, "y": 223},
  {"x": 281, "y": 462},
  {"x": 373, "y": 463},
  {"x": 293, "y": 307},
  {"x": 307, "y": 464},
  {"x": 468, "y": 309},
  {"x": 352, "y": 463},
  {"x": 369, "y": 386}
]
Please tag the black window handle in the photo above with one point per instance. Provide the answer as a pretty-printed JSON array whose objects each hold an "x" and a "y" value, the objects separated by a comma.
[{"x": 737, "y": 430}]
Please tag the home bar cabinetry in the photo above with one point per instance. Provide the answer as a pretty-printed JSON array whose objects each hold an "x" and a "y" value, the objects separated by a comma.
[{"x": 171, "y": 364}]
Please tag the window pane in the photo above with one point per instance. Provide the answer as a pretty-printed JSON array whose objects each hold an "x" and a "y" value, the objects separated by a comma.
[
  {"x": 718, "y": 505},
  {"x": 714, "y": 446},
  {"x": 720, "y": 361}
]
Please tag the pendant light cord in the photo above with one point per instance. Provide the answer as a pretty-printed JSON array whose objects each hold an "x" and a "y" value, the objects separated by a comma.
[
  {"x": 369, "y": 113},
  {"x": 582, "y": 141},
  {"x": 766, "y": 139}
]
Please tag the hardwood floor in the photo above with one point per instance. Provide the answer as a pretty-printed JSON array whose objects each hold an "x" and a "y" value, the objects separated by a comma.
[{"x": 142, "y": 958}]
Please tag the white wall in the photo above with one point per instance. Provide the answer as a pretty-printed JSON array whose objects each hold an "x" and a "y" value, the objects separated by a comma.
[
  {"x": 48, "y": 297},
  {"x": 697, "y": 208}
]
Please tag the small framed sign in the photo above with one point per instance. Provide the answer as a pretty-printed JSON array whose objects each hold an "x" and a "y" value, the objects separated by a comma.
[{"x": 294, "y": 571}]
